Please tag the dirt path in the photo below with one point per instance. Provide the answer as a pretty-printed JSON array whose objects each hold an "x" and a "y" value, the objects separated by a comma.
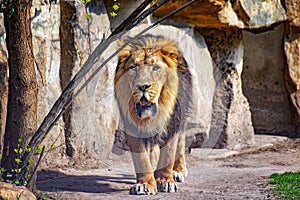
[{"x": 235, "y": 177}]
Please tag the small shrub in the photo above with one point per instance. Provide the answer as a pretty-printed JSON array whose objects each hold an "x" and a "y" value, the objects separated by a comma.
[{"x": 287, "y": 185}]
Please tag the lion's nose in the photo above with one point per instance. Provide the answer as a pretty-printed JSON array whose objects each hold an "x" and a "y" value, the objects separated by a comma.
[{"x": 143, "y": 87}]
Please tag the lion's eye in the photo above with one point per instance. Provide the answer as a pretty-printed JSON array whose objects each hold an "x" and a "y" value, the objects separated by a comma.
[
  {"x": 132, "y": 67},
  {"x": 156, "y": 68}
]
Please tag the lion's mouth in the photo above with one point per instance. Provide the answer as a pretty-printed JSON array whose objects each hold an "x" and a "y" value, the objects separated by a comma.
[{"x": 146, "y": 108}]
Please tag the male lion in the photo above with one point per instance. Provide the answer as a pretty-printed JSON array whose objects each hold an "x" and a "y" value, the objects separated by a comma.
[{"x": 149, "y": 82}]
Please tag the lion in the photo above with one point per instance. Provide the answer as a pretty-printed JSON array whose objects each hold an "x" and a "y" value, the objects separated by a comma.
[{"x": 151, "y": 85}]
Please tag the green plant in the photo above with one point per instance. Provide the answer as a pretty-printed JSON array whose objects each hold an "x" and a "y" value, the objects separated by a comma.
[
  {"x": 115, "y": 7},
  {"x": 85, "y": 3},
  {"x": 43, "y": 196},
  {"x": 287, "y": 185},
  {"x": 18, "y": 160},
  {"x": 19, "y": 195}
]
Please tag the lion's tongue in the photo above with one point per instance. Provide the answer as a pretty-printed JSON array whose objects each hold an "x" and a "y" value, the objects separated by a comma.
[{"x": 145, "y": 102}]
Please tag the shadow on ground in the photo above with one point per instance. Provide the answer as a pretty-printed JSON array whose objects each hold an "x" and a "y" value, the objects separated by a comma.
[
  {"x": 221, "y": 174},
  {"x": 54, "y": 181}
]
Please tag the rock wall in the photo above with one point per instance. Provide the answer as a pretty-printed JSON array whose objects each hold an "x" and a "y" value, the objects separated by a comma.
[
  {"x": 264, "y": 84},
  {"x": 46, "y": 49},
  {"x": 231, "y": 125},
  {"x": 91, "y": 119},
  {"x": 292, "y": 54}
]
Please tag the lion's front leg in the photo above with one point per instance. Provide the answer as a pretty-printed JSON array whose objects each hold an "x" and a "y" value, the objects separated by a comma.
[
  {"x": 145, "y": 181},
  {"x": 180, "y": 170},
  {"x": 164, "y": 172}
]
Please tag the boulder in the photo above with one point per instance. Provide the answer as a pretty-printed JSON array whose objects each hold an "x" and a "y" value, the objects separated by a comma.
[
  {"x": 10, "y": 192},
  {"x": 231, "y": 125},
  {"x": 242, "y": 14},
  {"x": 292, "y": 54}
]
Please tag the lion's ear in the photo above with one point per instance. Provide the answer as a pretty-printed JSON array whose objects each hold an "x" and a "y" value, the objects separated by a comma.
[
  {"x": 170, "y": 58},
  {"x": 124, "y": 53},
  {"x": 169, "y": 54}
]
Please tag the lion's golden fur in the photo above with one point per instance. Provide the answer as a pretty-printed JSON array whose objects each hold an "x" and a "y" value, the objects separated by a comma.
[{"x": 150, "y": 73}]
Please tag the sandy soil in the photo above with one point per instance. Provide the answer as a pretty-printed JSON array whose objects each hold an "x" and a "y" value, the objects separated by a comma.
[{"x": 241, "y": 176}]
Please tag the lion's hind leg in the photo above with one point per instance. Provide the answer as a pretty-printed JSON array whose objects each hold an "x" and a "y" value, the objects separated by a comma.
[{"x": 180, "y": 169}]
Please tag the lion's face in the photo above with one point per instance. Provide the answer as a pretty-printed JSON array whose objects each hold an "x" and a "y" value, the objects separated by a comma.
[
  {"x": 146, "y": 82},
  {"x": 146, "y": 76}
]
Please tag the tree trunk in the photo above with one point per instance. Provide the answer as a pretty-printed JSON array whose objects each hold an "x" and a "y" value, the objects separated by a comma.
[
  {"x": 67, "y": 62},
  {"x": 22, "y": 85}
]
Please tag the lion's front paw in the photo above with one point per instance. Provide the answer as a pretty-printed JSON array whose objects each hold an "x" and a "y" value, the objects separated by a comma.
[
  {"x": 142, "y": 189},
  {"x": 166, "y": 186},
  {"x": 180, "y": 176}
]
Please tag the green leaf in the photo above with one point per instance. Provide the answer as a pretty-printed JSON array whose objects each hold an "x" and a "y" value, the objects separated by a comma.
[
  {"x": 53, "y": 146},
  {"x": 86, "y": 1},
  {"x": 88, "y": 16},
  {"x": 28, "y": 149},
  {"x": 11, "y": 12},
  {"x": 18, "y": 170},
  {"x": 18, "y": 160},
  {"x": 113, "y": 14},
  {"x": 2, "y": 170},
  {"x": 116, "y": 6},
  {"x": 39, "y": 149}
]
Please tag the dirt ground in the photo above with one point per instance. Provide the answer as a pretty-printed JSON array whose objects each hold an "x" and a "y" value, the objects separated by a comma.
[{"x": 240, "y": 175}]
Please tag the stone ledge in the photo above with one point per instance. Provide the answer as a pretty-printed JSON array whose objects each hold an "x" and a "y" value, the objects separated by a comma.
[
  {"x": 242, "y": 14},
  {"x": 262, "y": 142}
]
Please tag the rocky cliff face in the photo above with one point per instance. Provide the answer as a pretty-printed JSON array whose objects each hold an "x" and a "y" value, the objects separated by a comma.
[
  {"x": 238, "y": 81},
  {"x": 292, "y": 54},
  {"x": 243, "y": 14},
  {"x": 264, "y": 83}
]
